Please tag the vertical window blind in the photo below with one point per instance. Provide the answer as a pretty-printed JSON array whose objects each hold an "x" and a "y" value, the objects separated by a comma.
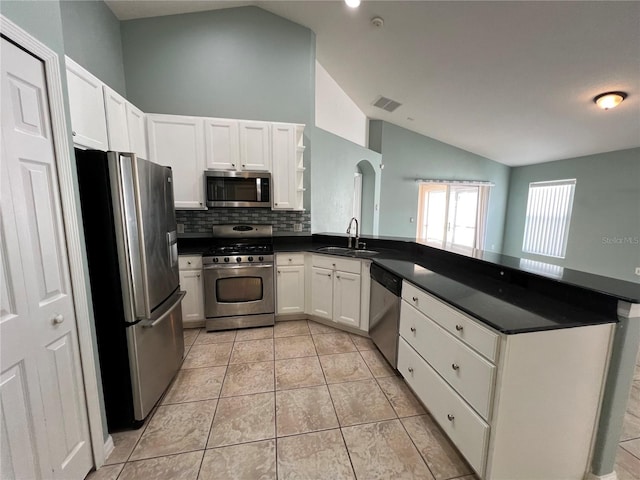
[{"x": 548, "y": 216}]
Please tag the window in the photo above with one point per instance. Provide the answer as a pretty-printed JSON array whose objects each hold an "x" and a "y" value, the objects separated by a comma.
[
  {"x": 452, "y": 215},
  {"x": 548, "y": 216}
]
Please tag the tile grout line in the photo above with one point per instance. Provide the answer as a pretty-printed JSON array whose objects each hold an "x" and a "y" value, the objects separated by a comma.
[{"x": 344, "y": 441}]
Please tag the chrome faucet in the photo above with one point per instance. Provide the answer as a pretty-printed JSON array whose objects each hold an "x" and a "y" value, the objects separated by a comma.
[{"x": 353, "y": 219}]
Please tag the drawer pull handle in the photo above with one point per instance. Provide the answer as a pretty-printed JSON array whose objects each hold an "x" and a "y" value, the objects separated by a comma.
[
  {"x": 410, "y": 369},
  {"x": 459, "y": 328},
  {"x": 415, "y": 299},
  {"x": 328, "y": 274},
  {"x": 413, "y": 329},
  {"x": 455, "y": 366},
  {"x": 450, "y": 417},
  {"x": 188, "y": 263},
  {"x": 198, "y": 275}
]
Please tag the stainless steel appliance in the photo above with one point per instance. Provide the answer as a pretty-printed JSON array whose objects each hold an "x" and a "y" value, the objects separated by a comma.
[
  {"x": 239, "y": 277},
  {"x": 384, "y": 312},
  {"x": 131, "y": 241},
  {"x": 237, "y": 189}
]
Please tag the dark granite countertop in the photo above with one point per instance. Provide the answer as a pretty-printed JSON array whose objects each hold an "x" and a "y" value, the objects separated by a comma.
[
  {"x": 507, "y": 308},
  {"x": 508, "y": 300}
]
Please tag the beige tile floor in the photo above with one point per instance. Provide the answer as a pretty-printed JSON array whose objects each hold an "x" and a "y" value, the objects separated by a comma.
[
  {"x": 296, "y": 401},
  {"x": 628, "y": 457},
  {"x": 299, "y": 401}
]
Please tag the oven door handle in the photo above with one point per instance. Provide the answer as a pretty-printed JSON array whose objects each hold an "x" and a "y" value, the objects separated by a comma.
[{"x": 247, "y": 265}]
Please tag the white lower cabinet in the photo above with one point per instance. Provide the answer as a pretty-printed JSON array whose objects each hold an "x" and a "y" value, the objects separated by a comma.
[
  {"x": 346, "y": 299},
  {"x": 336, "y": 285},
  {"x": 322, "y": 292},
  {"x": 516, "y": 406},
  {"x": 191, "y": 282},
  {"x": 290, "y": 283},
  {"x": 468, "y": 431}
]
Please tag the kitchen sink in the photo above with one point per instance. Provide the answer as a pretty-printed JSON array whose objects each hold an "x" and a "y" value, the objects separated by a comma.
[
  {"x": 347, "y": 251},
  {"x": 337, "y": 250},
  {"x": 364, "y": 253}
]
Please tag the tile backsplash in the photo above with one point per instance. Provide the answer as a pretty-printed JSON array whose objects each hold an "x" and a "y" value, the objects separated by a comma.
[{"x": 200, "y": 221}]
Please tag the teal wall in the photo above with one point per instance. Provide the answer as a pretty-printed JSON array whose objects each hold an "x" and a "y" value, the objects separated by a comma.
[
  {"x": 233, "y": 63},
  {"x": 43, "y": 20},
  {"x": 408, "y": 155},
  {"x": 604, "y": 234},
  {"x": 92, "y": 39},
  {"x": 335, "y": 161}
]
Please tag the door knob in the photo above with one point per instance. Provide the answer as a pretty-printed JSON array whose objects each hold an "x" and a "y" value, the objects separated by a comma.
[
  {"x": 73, "y": 133},
  {"x": 413, "y": 329},
  {"x": 459, "y": 328},
  {"x": 455, "y": 366},
  {"x": 450, "y": 417},
  {"x": 410, "y": 369},
  {"x": 415, "y": 299},
  {"x": 58, "y": 319}
]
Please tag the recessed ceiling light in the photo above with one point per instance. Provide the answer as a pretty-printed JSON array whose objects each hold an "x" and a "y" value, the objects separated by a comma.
[
  {"x": 352, "y": 3},
  {"x": 609, "y": 100}
]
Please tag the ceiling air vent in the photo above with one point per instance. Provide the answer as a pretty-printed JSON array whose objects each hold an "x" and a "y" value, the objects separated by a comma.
[{"x": 386, "y": 104}]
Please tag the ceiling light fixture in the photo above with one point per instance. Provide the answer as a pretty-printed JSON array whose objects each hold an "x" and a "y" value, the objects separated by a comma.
[
  {"x": 352, "y": 3},
  {"x": 609, "y": 100}
]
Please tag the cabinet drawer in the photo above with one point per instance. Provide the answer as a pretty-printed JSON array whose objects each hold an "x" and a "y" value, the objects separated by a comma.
[
  {"x": 464, "y": 427},
  {"x": 461, "y": 326},
  {"x": 468, "y": 373},
  {"x": 284, "y": 259},
  {"x": 336, "y": 263},
  {"x": 190, "y": 262}
]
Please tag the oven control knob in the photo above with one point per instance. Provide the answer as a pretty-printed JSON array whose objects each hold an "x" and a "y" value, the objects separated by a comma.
[
  {"x": 238, "y": 259},
  {"x": 215, "y": 260},
  {"x": 226, "y": 259},
  {"x": 260, "y": 259},
  {"x": 250, "y": 259}
]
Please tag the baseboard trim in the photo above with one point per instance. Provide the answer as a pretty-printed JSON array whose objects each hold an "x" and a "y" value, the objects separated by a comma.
[{"x": 608, "y": 476}]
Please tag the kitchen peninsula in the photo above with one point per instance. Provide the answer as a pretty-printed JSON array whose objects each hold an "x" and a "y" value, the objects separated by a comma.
[{"x": 551, "y": 341}]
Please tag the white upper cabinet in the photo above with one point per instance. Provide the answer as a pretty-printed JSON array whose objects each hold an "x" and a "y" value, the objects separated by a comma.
[
  {"x": 137, "y": 131},
  {"x": 116, "y": 114},
  {"x": 284, "y": 166},
  {"x": 222, "y": 144},
  {"x": 86, "y": 104},
  {"x": 178, "y": 142},
  {"x": 255, "y": 146}
]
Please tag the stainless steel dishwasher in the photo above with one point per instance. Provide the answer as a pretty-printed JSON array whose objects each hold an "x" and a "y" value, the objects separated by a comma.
[{"x": 384, "y": 312}]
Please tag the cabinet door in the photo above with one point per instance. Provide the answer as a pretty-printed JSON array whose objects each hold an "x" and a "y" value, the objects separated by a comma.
[
  {"x": 346, "y": 299},
  {"x": 222, "y": 144},
  {"x": 137, "y": 131},
  {"x": 283, "y": 166},
  {"x": 177, "y": 141},
  {"x": 86, "y": 105},
  {"x": 290, "y": 289},
  {"x": 322, "y": 292},
  {"x": 255, "y": 146},
  {"x": 193, "y": 302},
  {"x": 116, "y": 113}
]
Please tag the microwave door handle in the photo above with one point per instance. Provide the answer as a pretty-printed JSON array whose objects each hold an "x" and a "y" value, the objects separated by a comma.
[{"x": 258, "y": 189}]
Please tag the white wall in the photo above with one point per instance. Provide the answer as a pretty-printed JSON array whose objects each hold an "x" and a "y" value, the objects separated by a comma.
[{"x": 336, "y": 112}]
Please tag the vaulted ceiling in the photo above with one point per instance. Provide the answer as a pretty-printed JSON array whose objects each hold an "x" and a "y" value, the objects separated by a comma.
[{"x": 511, "y": 81}]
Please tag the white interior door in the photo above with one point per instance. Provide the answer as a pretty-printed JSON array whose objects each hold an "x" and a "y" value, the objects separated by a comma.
[{"x": 48, "y": 430}]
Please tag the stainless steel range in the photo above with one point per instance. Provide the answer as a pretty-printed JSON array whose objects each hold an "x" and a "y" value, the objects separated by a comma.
[{"x": 239, "y": 277}]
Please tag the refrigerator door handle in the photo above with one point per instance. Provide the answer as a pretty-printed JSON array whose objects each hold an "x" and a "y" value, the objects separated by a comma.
[
  {"x": 166, "y": 313},
  {"x": 132, "y": 230}
]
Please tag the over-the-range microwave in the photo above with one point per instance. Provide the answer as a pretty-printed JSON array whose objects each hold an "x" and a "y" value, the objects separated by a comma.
[{"x": 237, "y": 189}]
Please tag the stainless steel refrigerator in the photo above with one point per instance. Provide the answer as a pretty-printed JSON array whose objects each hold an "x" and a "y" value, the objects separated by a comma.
[{"x": 131, "y": 241}]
